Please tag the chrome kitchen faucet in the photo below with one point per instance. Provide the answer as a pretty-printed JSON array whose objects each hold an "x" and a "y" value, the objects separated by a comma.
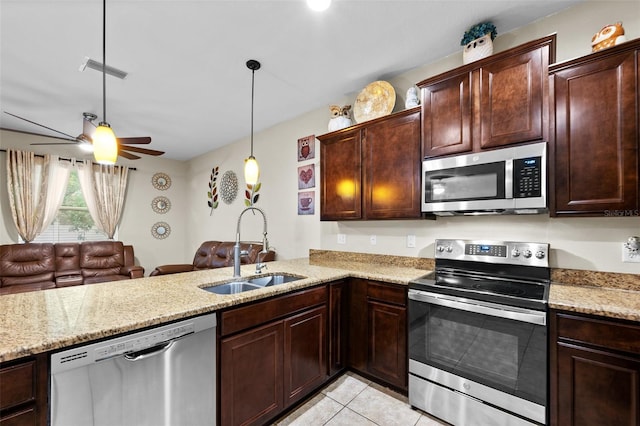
[{"x": 236, "y": 248}]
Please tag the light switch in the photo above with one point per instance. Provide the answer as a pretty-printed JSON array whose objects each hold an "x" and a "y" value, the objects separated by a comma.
[
  {"x": 411, "y": 241},
  {"x": 373, "y": 240}
]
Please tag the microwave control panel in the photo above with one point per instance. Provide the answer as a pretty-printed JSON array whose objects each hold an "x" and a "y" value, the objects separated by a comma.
[{"x": 527, "y": 180}]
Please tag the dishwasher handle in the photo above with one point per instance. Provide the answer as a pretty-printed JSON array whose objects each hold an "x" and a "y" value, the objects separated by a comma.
[{"x": 149, "y": 352}]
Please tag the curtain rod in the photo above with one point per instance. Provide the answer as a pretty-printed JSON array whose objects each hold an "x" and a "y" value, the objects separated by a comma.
[{"x": 65, "y": 159}]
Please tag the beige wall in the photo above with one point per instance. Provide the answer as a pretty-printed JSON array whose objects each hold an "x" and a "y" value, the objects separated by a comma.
[{"x": 583, "y": 243}]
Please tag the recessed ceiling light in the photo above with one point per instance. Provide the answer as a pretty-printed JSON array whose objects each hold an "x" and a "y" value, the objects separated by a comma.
[{"x": 319, "y": 5}]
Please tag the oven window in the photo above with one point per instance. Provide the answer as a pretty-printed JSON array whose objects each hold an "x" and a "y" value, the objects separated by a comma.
[
  {"x": 479, "y": 182},
  {"x": 501, "y": 353}
]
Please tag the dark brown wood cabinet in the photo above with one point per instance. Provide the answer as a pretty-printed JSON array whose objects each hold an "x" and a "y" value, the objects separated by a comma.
[
  {"x": 595, "y": 134},
  {"x": 272, "y": 354},
  {"x": 496, "y": 101},
  {"x": 378, "y": 331},
  {"x": 595, "y": 370},
  {"x": 23, "y": 391},
  {"x": 372, "y": 170},
  {"x": 338, "y": 310}
]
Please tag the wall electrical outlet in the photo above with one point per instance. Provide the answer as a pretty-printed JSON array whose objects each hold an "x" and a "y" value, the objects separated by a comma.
[
  {"x": 342, "y": 238},
  {"x": 411, "y": 241},
  {"x": 373, "y": 240},
  {"x": 630, "y": 256}
]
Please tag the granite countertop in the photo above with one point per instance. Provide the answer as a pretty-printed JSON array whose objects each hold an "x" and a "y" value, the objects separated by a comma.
[
  {"x": 47, "y": 320},
  {"x": 606, "y": 294}
]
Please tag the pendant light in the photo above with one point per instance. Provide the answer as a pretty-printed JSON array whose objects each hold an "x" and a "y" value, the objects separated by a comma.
[
  {"x": 251, "y": 168},
  {"x": 105, "y": 146}
]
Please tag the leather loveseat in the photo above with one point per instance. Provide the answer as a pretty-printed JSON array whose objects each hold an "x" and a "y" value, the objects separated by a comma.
[
  {"x": 217, "y": 254},
  {"x": 40, "y": 266}
]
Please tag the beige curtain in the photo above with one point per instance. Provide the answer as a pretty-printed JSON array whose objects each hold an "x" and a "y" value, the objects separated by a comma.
[
  {"x": 104, "y": 188},
  {"x": 36, "y": 187}
]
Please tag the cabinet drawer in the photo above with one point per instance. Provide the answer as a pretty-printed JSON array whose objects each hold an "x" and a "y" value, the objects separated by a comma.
[
  {"x": 258, "y": 313},
  {"x": 599, "y": 332},
  {"x": 387, "y": 293},
  {"x": 21, "y": 418},
  {"x": 17, "y": 384}
]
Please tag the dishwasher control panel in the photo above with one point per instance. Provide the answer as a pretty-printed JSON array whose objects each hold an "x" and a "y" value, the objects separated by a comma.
[{"x": 141, "y": 342}]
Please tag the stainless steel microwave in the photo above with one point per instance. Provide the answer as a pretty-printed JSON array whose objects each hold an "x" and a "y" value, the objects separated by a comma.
[{"x": 509, "y": 180}]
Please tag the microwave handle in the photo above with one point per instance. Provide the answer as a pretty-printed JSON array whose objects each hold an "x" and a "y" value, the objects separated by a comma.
[
  {"x": 508, "y": 179},
  {"x": 479, "y": 307}
]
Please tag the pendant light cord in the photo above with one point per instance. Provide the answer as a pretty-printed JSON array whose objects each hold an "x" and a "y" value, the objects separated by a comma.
[
  {"x": 253, "y": 77},
  {"x": 104, "y": 61}
]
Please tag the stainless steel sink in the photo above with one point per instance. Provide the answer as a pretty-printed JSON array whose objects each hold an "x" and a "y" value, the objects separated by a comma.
[
  {"x": 232, "y": 288},
  {"x": 270, "y": 280},
  {"x": 248, "y": 284}
]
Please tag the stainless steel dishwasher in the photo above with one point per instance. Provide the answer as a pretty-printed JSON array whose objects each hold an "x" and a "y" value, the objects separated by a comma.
[{"x": 162, "y": 376}]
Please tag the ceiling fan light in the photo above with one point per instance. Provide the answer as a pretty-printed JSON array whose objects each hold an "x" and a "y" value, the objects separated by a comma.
[
  {"x": 86, "y": 147},
  {"x": 251, "y": 170},
  {"x": 105, "y": 146}
]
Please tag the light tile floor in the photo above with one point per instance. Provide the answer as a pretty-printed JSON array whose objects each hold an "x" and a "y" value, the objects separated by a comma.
[{"x": 353, "y": 401}]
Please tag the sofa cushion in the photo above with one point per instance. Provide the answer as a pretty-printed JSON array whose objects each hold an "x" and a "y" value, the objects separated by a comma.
[
  {"x": 32, "y": 263},
  {"x": 67, "y": 258},
  {"x": 101, "y": 258}
]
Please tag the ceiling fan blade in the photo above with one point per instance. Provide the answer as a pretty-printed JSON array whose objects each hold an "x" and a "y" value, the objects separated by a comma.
[
  {"x": 135, "y": 140},
  {"x": 140, "y": 150},
  {"x": 41, "y": 125},
  {"x": 39, "y": 134},
  {"x": 121, "y": 153},
  {"x": 56, "y": 143}
]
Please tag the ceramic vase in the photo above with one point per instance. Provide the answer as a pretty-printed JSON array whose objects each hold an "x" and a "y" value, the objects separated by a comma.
[{"x": 477, "y": 49}]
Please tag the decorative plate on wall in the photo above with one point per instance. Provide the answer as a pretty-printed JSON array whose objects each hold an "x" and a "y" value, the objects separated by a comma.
[
  {"x": 161, "y": 205},
  {"x": 160, "y": 230},
  {"x": 161, "y": 181},
  {"x": 229, "y": 186}
]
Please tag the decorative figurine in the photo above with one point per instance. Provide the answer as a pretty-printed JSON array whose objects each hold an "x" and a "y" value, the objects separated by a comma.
[
  {"x": 478, "y": 42},
  {"x": 412, "y": 98},
  {"x": 340, "y": 117},
  {"x": 608, "y": 36}
]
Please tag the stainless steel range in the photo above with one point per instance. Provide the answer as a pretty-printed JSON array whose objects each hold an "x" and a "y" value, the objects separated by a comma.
[{"x": 478, "y": 334}]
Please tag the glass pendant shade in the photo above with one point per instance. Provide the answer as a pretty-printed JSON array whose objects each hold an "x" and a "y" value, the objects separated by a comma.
[
  {"x": 105, "y": 146},
  {"x": 251, "y": 170}
]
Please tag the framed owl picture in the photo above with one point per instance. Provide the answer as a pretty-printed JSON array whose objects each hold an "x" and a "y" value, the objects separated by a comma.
[{"x": 307, "y": 148}]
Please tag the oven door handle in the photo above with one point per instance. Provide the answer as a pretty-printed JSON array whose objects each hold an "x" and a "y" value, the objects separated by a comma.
[{"x": 480, "y": 307}]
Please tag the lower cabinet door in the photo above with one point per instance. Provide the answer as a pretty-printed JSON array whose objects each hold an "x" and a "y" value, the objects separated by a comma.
[
  {"x": 305, "y": 349},
  {"x": 251, "y": 376},
  {"x": 388, "y": 343},
  {"x": 596, "y": 388}
]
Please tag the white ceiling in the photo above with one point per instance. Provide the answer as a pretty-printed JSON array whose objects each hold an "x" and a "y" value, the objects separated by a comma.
[{"x": 188, "y": 86}]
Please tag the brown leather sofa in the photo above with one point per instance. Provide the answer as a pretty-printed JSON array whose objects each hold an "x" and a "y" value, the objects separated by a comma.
[
  {"x": 217, "y": 254},
  {"x": 40, "y": 266}
]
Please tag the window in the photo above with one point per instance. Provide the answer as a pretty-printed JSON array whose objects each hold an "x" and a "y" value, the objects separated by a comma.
[{"x": 73, "y": 222}]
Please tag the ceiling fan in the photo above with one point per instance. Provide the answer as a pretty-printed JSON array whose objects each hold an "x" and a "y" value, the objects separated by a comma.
[{"x": 84, "y": 138}]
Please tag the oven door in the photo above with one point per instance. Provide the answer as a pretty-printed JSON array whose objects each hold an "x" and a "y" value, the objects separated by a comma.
[{"x": 498, "y": 347}]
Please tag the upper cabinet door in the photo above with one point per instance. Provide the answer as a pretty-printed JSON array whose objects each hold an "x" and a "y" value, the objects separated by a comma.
[
  {"x": 446, "y": 109},
  {"x": 499, "y": 100},
  {"x": 340, "y": 164},
  {"x": 392, "y": 168},
  {"x": 514, "y": 98},
  {"x": 595, "y": 132}
]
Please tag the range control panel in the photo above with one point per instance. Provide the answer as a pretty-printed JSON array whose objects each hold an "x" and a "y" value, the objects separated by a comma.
[{"x": 511, "y": 252}]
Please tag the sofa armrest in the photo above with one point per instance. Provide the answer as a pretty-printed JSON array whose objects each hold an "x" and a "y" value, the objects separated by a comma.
[
  {"x": 171, "y": 269},
  {"x": 133, "y": 271}
]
